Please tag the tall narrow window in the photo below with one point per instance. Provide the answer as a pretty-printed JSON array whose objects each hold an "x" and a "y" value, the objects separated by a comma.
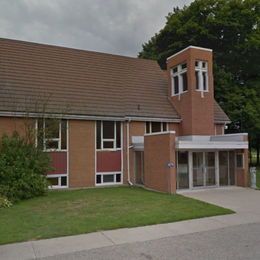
[
  {"x": 176, "y": 85},
  {"x": 201, "y": 75},
  {"x": 98, "y": 134},
  {"x": 179, "y": 79}
]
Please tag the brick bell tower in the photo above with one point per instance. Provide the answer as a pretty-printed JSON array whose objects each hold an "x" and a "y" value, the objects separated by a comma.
[{"x": 191, "y": 89}]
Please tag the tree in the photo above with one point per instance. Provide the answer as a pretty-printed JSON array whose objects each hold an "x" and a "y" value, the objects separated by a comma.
[{"x": 231, "y": 28}]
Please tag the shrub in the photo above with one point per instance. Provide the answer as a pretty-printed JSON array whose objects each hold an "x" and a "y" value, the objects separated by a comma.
[
  {"x": 4, "y": 202},
  {"x": 22, "y": 169}
]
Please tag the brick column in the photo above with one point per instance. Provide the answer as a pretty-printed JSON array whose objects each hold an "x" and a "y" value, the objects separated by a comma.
[{"x": 159, "y": 153}]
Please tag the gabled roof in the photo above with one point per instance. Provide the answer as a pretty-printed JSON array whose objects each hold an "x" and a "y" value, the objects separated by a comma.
[
  {"x": 219, "y": 115},
  {"x": 42, "y": 78}
]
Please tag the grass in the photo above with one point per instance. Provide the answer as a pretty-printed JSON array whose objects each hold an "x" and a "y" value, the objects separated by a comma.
[
  {"x": 258, "y": 178},
  {"x": 63, "y": 213}
]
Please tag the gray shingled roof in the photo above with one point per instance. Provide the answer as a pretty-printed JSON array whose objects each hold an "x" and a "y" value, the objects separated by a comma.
[{"x": 78, "y": 82}]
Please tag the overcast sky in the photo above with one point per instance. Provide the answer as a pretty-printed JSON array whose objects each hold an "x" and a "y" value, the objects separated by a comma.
[{"x": 113, "y": 26}]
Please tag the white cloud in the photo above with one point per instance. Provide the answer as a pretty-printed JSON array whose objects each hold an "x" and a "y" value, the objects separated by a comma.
[{"x": 113, "y": 26}]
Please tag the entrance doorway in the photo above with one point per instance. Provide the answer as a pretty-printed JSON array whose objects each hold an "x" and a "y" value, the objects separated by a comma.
[
  {"x": 139, "y": 168},
  {"x": 203, "y": 169},
  {"x": 226, "y": 168}
]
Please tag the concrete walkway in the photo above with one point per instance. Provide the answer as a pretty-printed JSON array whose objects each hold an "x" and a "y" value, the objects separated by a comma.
[{"x": 244, "y": 201}]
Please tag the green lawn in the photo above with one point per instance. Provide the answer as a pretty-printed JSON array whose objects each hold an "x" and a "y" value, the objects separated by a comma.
[
  {"x": 258, "y": 178},
  {"x": 62, "y": 213}
]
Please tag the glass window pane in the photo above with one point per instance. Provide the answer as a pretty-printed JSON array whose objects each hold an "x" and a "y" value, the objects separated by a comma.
[
  {"x": 53, "y": 181},
  {"x": 98, "y": 178},
  {"x": 40, "y": 134},
  {"x": 204, "y": 78},
  {"x": 64, "y": 134},
  {"x": 164, "y": 126},
  {"x": 156, "y": 127},
  {"x": 184, "y": 66},
  {"x": 64, "y": 181},
  {"x": 108, "y": 144},
  {"x": 118, "y": 177},
  {"x": 196, "y": 63},
  {"x": 118, "y": 134},
  {"x": 175, "y": 69},
  {"x": 108, "y": 178},
  {"x": 239, "y": 161},
  {"x": 148, "y": 130},
  {"x": 51, "y": 144},
  {"x": 197, "y": 80},
  {"x": 108, "y": 130},
  {"x": 98, "y": 135},
  {"x": 184, "y": 81},
  {"x": 52, "y": 128},
  {"x": 210, "y": 159},
  {"x": 198, "y": 176},
  {"x": 223, "y": 168},
  {"x": 176, "y": 85}
]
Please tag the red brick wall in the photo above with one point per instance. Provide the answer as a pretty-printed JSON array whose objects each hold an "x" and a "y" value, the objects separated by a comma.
[
  {"x": 81, "y": 153},
  {"x": 159, "y": 150},
  {"x": 219, "y": 129},
  {"x": 10, "y": 124},
  {"x": 197, "y": 112}
]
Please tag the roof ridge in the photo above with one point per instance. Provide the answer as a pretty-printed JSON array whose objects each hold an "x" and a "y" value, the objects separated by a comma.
[{"x": 74, "y": 49}]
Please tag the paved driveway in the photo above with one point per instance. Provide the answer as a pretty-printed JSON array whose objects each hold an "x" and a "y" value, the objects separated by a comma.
[{"x": 244, "y": 201}]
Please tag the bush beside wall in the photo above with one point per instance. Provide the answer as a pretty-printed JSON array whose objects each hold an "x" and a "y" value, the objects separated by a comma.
[{"x": 22, "y": 169}]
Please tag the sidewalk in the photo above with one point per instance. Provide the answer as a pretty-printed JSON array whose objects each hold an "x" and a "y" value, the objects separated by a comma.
[{"x": 69, "y": 244}]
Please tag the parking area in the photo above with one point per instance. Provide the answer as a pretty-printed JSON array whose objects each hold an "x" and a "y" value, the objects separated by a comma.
[{"x": 241, "y": 200}]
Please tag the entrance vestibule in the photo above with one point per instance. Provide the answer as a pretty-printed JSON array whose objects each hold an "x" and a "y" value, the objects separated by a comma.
[{"x": 198, "y": 169}]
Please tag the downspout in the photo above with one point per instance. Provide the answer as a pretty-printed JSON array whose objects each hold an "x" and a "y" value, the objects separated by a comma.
[{"x": 128, "y": 147}]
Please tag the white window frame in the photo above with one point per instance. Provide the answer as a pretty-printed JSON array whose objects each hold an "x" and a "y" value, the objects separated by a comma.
[
  {"x": 103, "y": 140},
  {"x": 179, "y": 72},
  {"x": 52, "y": 139},
  {"x": 150, "y": 126},
  {"x": 109, "y": 183},
  {"x": 200, "y": 71},
  {"x": 59, "y": 181}
]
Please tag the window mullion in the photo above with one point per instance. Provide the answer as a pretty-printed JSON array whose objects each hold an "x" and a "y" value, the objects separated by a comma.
[
  {"x": 114, "y": 146},
  {"x": 59, "y": 145},
  {"x": 44, "y": 135},
  {"x": 101, "y": 125}
]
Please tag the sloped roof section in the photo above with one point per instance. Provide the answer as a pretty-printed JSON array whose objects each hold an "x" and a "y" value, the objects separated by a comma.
[
  {"x": 39, "y": 78},
  {"x": 219, "y": 114}
]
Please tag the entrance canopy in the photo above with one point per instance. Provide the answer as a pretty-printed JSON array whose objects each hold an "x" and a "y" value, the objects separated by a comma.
[
  {"x": 216, "y": 142},
  {"x": 198, "y": 142}
]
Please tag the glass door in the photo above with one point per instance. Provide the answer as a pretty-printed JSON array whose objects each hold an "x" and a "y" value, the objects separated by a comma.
[
  {"x": 226, "y": 168},
  {"x": 223, "y": 168},
  {"x": 204, "y": 169},
  {"x": 198, "y": 169},
  {"x": 210, "y": 168}
]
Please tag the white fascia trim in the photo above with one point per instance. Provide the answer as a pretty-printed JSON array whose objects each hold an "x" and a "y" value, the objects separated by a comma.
[
  {"x": 189, "y": 47},
  {"x": 243, "y": 134},
  {"x": 212, "y": 145},
  {"x": 160, "y": 133},
  {"x": 58, "y": 116},
  {"x": 82, "y": 117}
]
